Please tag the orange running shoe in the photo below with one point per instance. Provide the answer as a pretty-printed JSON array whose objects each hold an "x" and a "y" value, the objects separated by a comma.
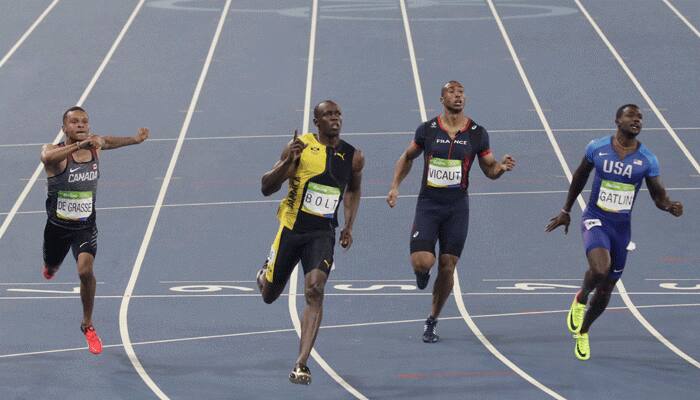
[{"x": 93, "y": 341}]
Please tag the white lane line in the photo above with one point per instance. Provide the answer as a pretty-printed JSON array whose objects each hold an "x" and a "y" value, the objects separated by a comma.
[
  {"x": 27, "y": 188},
  {"x": 414, "y": 63},
  {"x": 405, "y": 196},
  {"x": 669, "y": 129},
  {"x": 274, "y": 136},
  {"x": 340, "y": 326},
  {"x": 364, "y": 294},
  {"x": 487, "y": 343},
  {"x": 682, "y": 18},
  {"x": 28, "y": 32},
  {"x": 310, "y": 66},
  {"x": 640, "y": 89},
  {"x": 292, "y": 303},
  {"x": 124, "y": 307},
  {"x": 633, "y": 309}
]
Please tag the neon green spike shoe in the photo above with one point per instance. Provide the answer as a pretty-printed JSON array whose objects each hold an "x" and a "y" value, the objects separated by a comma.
[
  {"x": 575, "y": 317},
  {"x": 582, "y": 349}
]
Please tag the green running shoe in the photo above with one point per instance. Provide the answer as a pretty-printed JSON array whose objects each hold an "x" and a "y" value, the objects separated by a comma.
[
  {"x": 575, "y": 317},
  {"x": 582, "y": 349}
]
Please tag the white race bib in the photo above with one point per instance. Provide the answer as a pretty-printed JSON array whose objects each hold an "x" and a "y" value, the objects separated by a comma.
[
  {"x": 615, "y": 196},
  {"x": 74, "y": 206},
  {"x": 321, "y": 200},
  {"x": 444, "y": 173}
]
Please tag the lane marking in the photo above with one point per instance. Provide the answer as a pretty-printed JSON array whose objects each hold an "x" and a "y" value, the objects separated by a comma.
[
  {"x": 255, "y": 295},
  {"x": 28, "y": 32},
  {"x": 275, "y": 201},
  {"x": 682, "y": 18},
  {"x": 340, "y": 326},
  {"x": 414, "y": 63},
  {"x": 275, "y": 136},
  {"x": 641, "y": 91},
  {"x": 39, "y": 168},
  {"x": 124, "y": 307}
]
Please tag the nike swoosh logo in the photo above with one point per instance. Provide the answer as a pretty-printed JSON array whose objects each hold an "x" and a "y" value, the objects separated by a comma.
[
  {"x": 603, "y": 154},
  {"x": 571, "y": 323},
  {"x": 579, "y": 352},
  {"x": 74, "y": 169},
  {"x": 83, "y": 244},
  {"x": 618, "y": 270}
]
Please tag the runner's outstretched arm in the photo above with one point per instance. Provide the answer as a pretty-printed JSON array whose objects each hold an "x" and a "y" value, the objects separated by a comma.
[{"x": 114, "y": 142}]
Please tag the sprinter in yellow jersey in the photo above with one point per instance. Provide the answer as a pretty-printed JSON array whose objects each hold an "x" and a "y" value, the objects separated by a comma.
[{"x": 322, "y": 171}]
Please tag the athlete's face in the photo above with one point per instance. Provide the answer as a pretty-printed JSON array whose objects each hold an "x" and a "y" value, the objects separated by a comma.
[
  {"x": 453, "y": 97},
  {"x": 630, "y": 122},
  {"x": 76, "y": 125},
  {"x": 329, "y": 119}
]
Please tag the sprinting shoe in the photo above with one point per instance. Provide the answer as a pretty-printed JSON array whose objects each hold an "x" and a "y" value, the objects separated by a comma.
[
  {"x": 575, "y": 317},
  {"x": 93, "y": 341},
  {"x": 430, "y": 331},
  {"x": 49, "y": 272},
  {"x": 422, "y": 279},
  {"x": 300, "y": 375},
  {"x": 582, "y": 349}
]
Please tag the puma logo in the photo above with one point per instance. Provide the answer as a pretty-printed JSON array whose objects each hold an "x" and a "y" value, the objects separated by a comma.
[{"x": 341, "y": 155}]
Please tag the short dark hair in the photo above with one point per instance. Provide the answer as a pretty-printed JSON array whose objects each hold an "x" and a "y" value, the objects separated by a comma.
[
  {"x": 444, "y": 87},
  {"x": 316, "y": 109},
  {"x": 620, "y": 110},
  {"x": 74, "y": 108}
]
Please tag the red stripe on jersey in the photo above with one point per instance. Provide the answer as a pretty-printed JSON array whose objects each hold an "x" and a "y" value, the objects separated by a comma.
[{"x": 485, "y": 153}]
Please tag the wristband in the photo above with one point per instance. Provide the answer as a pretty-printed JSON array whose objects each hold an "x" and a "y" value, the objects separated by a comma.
[{"x": 565, "y": 212}]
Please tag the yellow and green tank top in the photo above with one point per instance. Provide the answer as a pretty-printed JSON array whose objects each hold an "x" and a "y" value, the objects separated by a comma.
[{"x": 316, "y": 189}]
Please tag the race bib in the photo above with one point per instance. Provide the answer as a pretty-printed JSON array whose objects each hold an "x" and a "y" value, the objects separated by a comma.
[
  {"x": 444, "y": 173},
  {"x": 321, "y": 200},
  {"x": 74, "y": 206},
  {"x": 615, "y": 196}
]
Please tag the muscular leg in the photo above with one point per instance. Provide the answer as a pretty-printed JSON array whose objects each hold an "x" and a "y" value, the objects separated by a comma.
[
  {"x": 87, "y": 286},
  {"x": 444, "y": 282},
  {"x": 314, "y": 284},
  {"x": 596, "y": 278}
]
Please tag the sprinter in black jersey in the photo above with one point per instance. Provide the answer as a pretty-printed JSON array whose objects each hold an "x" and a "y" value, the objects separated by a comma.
[
  {"x": 324, "y": 173},
  {"x": 449, "y": 143},
  {"x": 72, "y": 170}
]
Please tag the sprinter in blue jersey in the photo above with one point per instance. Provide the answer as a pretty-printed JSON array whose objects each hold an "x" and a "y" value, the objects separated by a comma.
[{"x": 621, "y": 162}]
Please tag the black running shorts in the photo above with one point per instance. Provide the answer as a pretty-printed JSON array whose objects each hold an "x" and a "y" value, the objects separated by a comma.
[
  {"x": 314, "y": 249},
  {"x": 58, "y": 240},
  {"x": 446, "y": 222}
]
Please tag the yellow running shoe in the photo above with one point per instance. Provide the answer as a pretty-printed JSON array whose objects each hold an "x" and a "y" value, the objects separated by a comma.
[
  {"x": 582, "y": 349},
  {"x": 575, "y": 317}
]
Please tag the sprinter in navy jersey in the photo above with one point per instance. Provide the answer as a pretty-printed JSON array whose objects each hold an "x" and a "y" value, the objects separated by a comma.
[
  {"x": 449, "y": 143},
  {"x": 621, "y": 163}
]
